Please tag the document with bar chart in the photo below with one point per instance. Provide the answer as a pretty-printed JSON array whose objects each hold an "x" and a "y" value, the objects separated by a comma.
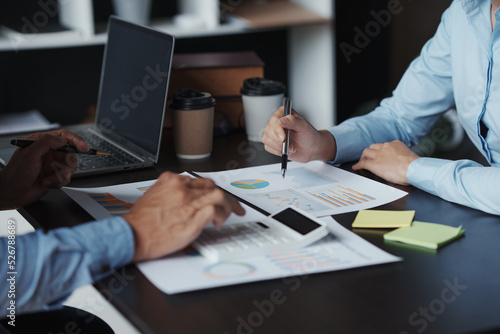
[
  {"x": 106, "y": 202},
  {"x": 315, "y": 187},
  {"x": 117, "y": 200}
]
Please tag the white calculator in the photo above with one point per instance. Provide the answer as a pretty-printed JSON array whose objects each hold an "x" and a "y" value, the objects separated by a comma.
[{"x": 288, "y": 229}]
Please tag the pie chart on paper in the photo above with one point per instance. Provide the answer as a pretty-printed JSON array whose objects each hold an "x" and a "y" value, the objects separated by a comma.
[{"x": 250, "y": 184}]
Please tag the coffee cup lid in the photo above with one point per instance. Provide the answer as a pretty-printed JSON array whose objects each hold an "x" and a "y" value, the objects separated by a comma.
[
  {"x": 190, "y": 99},
  {"x": 261, "y": 86}
]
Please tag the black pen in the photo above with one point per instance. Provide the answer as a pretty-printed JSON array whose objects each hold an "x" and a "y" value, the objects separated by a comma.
[
  {"x": 67, "y": 149},
  {"x": 287, "y": 110}
]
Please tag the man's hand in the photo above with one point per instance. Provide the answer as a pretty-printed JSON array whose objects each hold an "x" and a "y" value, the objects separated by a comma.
[
  {"x": 390, "y": 161},
  {"x": 33, "y": 170},
  {"x": 306, "y": 143},
  {"x": 172, "y": 213}
]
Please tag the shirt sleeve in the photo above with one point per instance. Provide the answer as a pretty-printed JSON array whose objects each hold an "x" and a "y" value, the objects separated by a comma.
[
  {"x": 423, "y": 94},
  {"x": 49, "y": 266},
  {"x": 463, "y": 182}
]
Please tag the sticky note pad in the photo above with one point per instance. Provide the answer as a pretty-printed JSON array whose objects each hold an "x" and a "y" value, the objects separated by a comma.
[
  {"x": 427, "y": 235},
  {"x": 383, "y": 219}
]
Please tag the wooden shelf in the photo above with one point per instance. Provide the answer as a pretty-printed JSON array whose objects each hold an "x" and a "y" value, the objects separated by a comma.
[
  {"x": 100, "y": 38},
  {"x": 246, "y": 18},
  {"x": 280, "y": 13}
]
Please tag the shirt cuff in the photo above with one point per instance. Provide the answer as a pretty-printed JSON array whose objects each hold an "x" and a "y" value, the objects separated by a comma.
[
  {"x": 110, "y": 243},
  {"x": 422, "y": 171},
  {"x": 349, "y": 145}
]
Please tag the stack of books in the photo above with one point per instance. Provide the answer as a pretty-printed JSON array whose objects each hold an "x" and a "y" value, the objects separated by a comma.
[{"x": 220, "y": 74}]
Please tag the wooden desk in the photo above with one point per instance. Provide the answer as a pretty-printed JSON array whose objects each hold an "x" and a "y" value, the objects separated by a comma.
[{"x": 456, "y": 289}]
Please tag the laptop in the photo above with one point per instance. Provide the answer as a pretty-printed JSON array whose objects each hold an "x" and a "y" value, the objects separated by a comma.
[{"x": 132, "y": 100}]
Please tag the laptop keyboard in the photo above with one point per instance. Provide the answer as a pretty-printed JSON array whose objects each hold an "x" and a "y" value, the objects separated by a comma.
[{"x": 116, "y": 155}]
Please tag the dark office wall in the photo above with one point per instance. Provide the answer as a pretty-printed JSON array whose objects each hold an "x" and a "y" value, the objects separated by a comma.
[
  {"x": 362, "y": 63},
  {"x": 377, "y": 60},
  {"x": 412, "y": 28}
]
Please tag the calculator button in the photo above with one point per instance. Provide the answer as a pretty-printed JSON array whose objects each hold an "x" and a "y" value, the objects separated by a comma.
[
  {"x": 239, "y": 240},
  {"x": 247, "y": 243},
  {"x": 272, "y": 240},
  {"x": 259, "y": 243},
  {"x": 231, "y": 243},
  {"x": 244, "y": 245}
]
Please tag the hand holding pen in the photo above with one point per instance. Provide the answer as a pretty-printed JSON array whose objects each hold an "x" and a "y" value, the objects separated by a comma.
[
  {"x": 305, "y": 143},
  {"x": 66, "y": 149},
  {"x": 33, "y": 170},
  {"x": 287, "y": 110}
]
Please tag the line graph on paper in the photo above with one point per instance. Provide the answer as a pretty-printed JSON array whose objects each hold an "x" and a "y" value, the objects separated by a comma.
[{"x": 284, "y": 198}]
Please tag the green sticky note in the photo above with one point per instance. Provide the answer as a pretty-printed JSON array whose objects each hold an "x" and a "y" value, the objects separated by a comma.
[
  {"x": 427, "y": 235},
  {"x": 383, "y": 219}
]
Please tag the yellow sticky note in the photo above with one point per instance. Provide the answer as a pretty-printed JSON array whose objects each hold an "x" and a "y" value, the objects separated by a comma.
[
  {"x": 383, "y": 219},
  {"x": 427, "y": 235}
]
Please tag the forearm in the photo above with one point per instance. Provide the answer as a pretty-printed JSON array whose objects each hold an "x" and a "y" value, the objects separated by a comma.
[
  {"x": 464, "y": 182},
  {"x": 50, "y": 266}
]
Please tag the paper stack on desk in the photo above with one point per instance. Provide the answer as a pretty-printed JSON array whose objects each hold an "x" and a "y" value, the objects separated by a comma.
[{"x": 187, "y": 270}]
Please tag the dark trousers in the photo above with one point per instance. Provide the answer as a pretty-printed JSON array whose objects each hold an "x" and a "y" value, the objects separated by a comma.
[{"x": 67, "y": 320}]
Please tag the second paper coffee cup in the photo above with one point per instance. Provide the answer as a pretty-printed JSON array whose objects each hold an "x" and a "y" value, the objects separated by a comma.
[
  {"x": 192, "y": 123},
  {"x": 261, "y": 98}
]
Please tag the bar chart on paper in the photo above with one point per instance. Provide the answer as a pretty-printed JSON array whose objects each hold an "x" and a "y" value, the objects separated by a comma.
[
  {"x": 106, "y": 202},
  {"x": 316, "y": 200},
  {"x": 315, "y": 187},
  {"x": 341, "y": 196},
  {"x": 112, "y": 204}
]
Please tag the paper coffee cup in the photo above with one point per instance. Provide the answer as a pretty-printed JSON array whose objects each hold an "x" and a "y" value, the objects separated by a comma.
[
  {"x": 261, "y": 98},
  {"x": 192, "y": 123}
]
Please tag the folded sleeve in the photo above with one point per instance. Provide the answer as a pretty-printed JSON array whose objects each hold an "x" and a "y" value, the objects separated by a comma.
[
  {"x": 49, "y": 266},
  {"x": 464, "y": 182}
]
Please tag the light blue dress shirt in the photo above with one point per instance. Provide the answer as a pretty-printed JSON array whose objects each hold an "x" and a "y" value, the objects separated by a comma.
[
  {"x": 51, "y": 265},
  {"x": 459, "y": 66}
]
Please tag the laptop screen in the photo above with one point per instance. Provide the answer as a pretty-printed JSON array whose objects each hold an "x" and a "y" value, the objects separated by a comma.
[{"x": 134, "y": 83}]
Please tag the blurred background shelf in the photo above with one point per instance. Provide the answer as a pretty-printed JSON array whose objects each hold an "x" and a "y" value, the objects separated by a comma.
[
  {"x": 248, "y": 17},
  {"x": 60, "y": 76}
]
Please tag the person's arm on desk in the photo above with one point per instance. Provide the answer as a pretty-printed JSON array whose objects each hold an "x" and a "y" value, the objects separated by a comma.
[
  {"x": 51, "y": 265},
  {"x": 431, "y": 85}
]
